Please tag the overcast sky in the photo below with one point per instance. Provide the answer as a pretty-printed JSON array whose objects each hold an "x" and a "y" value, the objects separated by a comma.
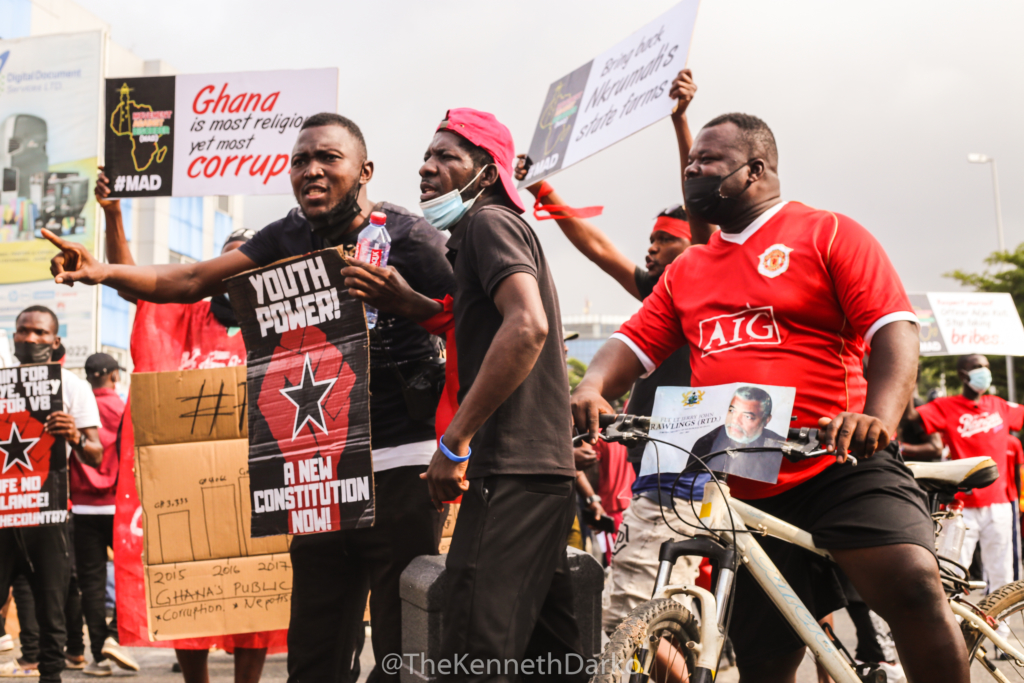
[{"x": 875, "y": 104}]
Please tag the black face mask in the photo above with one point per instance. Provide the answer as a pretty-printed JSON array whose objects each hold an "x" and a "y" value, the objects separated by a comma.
[
  {"x": 335, "y": 225},
  {"x": 32, "y": 352},
  {"x": 704, "y": 198}
]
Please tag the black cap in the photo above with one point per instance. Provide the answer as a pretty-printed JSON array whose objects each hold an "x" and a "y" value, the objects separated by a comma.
[{"x": 100, "y": 364}]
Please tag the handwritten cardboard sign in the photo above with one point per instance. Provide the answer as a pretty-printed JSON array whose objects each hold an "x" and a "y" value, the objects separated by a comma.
[
  {"x": 33, "y": 464},
  {"x": 619, "y": 92},
  {"x": 309, "y": 398},
  {"x": 205, "y": 574}
]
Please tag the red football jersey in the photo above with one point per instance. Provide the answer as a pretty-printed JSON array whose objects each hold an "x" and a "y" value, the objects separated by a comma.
[
  {"x": 971, "y": 429},
  {"x": 793, "y": 300}
]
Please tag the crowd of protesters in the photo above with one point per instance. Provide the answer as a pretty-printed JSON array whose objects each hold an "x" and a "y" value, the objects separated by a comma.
[{"x": 500, "y": 442}]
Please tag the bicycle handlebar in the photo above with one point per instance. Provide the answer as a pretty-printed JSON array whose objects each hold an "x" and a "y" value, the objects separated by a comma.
[{"x": 630, "y": 430}]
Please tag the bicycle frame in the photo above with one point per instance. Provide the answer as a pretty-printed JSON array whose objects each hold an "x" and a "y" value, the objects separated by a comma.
[{"x": 778, "y": 590}]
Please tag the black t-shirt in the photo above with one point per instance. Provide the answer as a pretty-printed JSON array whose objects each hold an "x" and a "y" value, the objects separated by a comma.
[
  {"x": 674, "y": 372},
  {"x": 644, "y": 283},
  {"x": 531, "y": 432},
  {"x": 417, "y": 253}
]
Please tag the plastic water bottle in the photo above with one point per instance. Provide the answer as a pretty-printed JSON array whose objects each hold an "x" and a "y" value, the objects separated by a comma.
[
  {"x": 952, "y": 531},
  {"x": 373, "y": 247}
]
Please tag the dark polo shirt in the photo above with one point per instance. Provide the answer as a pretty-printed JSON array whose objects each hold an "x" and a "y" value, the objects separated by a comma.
[{"x": 531, "y": 432}]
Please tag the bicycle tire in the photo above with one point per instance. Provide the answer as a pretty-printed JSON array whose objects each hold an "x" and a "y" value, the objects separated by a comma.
[
  {"x": 999, "y": 604},
  {"x": 632, "y": 635}
]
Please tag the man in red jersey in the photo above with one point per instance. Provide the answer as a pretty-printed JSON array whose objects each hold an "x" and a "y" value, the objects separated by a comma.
[
  {"x": 789, "y": 295},
  {"x": 976, "y": 423}
]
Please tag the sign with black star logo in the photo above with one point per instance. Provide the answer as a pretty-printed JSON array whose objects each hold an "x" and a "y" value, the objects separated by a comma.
[
  {"x": 308, "y": 397},
  {"x": 16, "y": 449}
]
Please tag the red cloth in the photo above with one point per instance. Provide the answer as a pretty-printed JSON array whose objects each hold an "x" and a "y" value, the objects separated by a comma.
[
  {"x": 556, "y": 211},
  {"x": 168, "y": 337},
  {"x": 96, "y": 485},
  {"x": 789, "y": 304},
  {"x": 673, "y": 226},
  {"x": 444, "y": 324},
  {"x": 971, "y": 429},
  {"x": 616, "y": 480}
]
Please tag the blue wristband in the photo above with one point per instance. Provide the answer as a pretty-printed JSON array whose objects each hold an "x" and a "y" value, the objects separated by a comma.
[{"x": 451, "y": 456}]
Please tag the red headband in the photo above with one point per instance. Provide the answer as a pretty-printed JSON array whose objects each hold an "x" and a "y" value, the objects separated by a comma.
[{"x": 673, "y": 226}]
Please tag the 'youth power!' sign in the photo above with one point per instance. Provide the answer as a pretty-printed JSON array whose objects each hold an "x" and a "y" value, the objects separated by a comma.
[
  {"x": 209, "y": 134},
  {"x": 308, "y": 379},
  {"x": 619, "y": 92}
]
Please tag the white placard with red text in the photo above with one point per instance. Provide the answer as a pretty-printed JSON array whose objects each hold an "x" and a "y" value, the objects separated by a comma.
[
  {"x": 977, "y": 322},
  {"x": 234, "y": 132}
]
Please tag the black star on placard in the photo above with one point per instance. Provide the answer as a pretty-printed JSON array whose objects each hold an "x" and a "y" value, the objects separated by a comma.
[
  {"x": 16, "y": 449},
  {"x": 308, "y": 398}
]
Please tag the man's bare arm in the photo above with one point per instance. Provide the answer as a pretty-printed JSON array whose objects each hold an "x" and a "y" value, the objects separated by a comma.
[
  {"x": 116, "y": 241},
  {"x": 173, "y": 283},
  {"x": 610, "y": 375},
  {"x": 509, "y": 360},
  {"x": 891, "y": 376},
  {"x": 930, "y": 450},
  {"x": 683, "y": 89},
  {"x": 588, "y": 239}
]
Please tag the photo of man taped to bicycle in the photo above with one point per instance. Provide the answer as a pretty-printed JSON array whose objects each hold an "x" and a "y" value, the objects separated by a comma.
[{"x": 724, "y": 426}]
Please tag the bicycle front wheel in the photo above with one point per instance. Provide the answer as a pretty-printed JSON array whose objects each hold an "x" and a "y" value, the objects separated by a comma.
[
  {"x": 1007, "y": 605},
  {"x": 650, "y": 640}
]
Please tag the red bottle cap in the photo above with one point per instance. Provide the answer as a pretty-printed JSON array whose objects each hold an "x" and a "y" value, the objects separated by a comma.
[{"x": 378, "y": 218}]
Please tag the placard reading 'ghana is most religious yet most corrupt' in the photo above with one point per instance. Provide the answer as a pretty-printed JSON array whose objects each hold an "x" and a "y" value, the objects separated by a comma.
[
  {"x": 33, "y": 464},
  {"x": 619, "y": 92},
  {"x": 209, "y": 134},
  {"x": 310, "y": 464}
]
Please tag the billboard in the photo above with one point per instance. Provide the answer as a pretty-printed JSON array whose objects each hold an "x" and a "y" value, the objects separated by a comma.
[
  {"x": 209, "y": 134},
  {"x": 50, "y": 104}
]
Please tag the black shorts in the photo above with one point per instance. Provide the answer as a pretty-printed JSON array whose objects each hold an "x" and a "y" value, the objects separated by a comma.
[{"x": 874, "y": 503}]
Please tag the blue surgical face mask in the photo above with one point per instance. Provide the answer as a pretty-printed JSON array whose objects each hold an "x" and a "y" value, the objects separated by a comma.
[
  {"x": 445, "y": 211},
  {"x": 979, "y": 379}
]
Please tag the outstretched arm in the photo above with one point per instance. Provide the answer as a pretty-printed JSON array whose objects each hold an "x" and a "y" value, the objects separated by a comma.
[
  {"x": 588, "y": 238},
  {"x": 683, "y": 89},
  {"x": 174, "y": 283}
]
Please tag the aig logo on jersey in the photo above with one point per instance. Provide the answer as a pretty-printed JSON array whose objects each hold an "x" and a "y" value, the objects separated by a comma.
[
  {"x": 774, "y": 261},
  {"x": 727, "y": 332}
]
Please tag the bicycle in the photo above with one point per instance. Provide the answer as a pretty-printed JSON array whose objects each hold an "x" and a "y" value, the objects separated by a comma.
[{"x": 663, "y": 620}]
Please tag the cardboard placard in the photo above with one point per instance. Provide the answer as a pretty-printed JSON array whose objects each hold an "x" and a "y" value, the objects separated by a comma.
[
  {"x": 309, "y": 397},
  {"x": 189, "y": 406},
  {"x": 195, "y": 503},
  {"x": 196, "y": 135},
  {"x": 33, "y": 464},
  {"x": 619, "y": 92},
  {"x": 205, "y": 575},
  {"x": 235, "y": 595}
]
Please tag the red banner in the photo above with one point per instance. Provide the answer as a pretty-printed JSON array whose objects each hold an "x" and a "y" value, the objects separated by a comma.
[{"x": 168, "y": 337}]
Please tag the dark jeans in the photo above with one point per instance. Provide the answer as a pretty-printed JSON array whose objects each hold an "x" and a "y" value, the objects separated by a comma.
[
  {"x": 332, "y": 573},
  {"x": 40, "y": 554},
  {"x": 510, "y": 596},
  {"x": 29, "y": 636},
  {"x": 93, "y": 535}
]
